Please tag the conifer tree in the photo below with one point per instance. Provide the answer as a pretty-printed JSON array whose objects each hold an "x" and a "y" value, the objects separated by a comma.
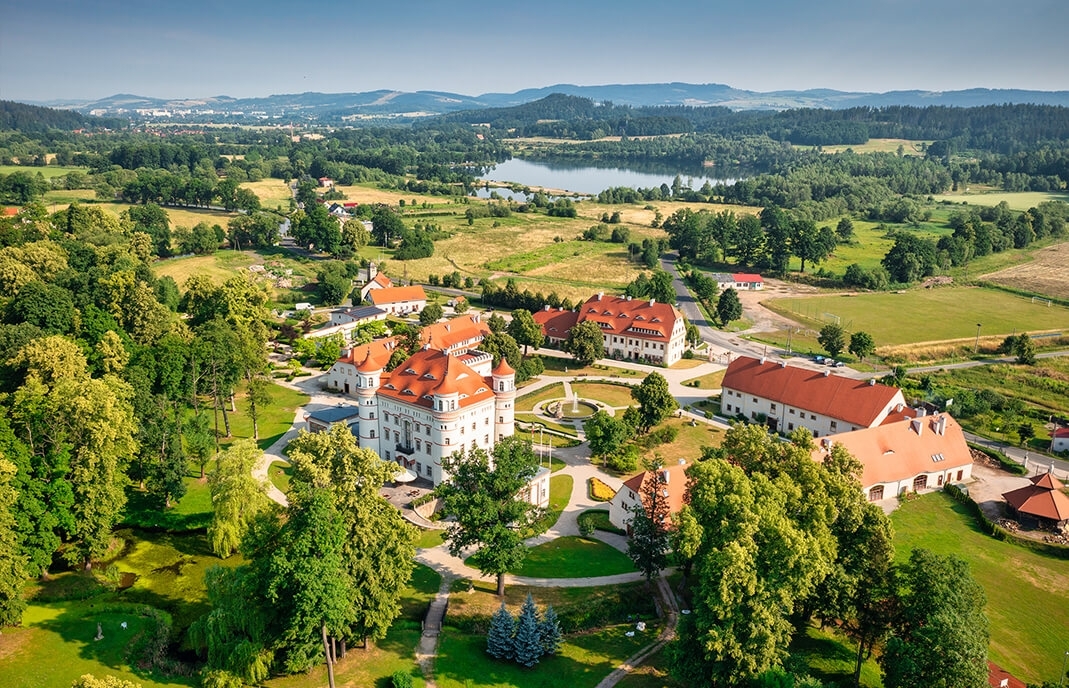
[
  {"x": 499, "y": 639},
  {"x": 527, "y": 643},
  {"x": 549, "y": 632}
]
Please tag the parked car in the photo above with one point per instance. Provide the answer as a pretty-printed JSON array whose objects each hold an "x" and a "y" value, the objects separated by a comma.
[
  {"x": 818, "y": 359},
  {"x": 839, "y": 364},
  {"x": 830, "y": 362}
]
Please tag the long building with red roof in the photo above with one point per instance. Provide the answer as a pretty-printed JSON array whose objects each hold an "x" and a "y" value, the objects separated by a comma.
[
  {"x": 633, "y": 329},
  {"x": 913, "y": 451},
  {"x": 789, "y": 397}
]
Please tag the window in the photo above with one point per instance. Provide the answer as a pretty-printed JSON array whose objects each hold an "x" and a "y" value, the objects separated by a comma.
[
  {"x": 486, "y": 421},
  {"x": 387, "y": 456},
  {"x": 372, "y": 434},
  {"x": 755, "y": 400},
  {"x": 486, "y": 439},
  {"x": 473, "y": 425},
  {"x": 386, "y": 417},
  {"x": 447, "y": 441},
  {"x": 790, "y": 426},
  {"x": 500, "y": 419},
  {"x": 812, "y": 417},
  {"x": 790, "y": 411},
  {"x": 773, "y": 407},
  {"x": 959, "y": 475},
  {"x": 428, "y": 469},
  {"x": 834, "y": 425}
]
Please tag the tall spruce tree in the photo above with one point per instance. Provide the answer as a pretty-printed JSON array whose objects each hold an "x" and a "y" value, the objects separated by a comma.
[
  {"x": 527, "y": 642},
  {"x": 549, "y": 632},
  {"x": 499, "y": 639}
]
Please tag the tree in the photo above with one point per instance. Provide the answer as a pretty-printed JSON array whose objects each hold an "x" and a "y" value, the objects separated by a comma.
[
  {"x": 685, "y": 538},
  {"x": 910, "y": 258},
  {"x": 1025, "y": 350},
  {"x": 655, "y": 401},
  {"x": 749, "y": 240},
  {"x": 386, "y": 226},
  {"x": 585, "y": 342},
  {"x": 484, "y": 497},
  {"x": 605, "y": 434},
  {"x": 728, "y": 307},
  {"x": 649, "y": 541},
  {"x": 550, "y": 633},
  {"x": 12, "y": 560},
  {"x": 1025, "y": 431},
  {"x": 832, "y": 338},
  {"x": 499, "y": 639},
  {"x": 90, "y": 681},
  {"x": 845, "y": 230},
  {"x": 378, "y": 551},
  {"x": 431, "y": 314},
  {"x": 525, "y": 330},
  {"x": 527, "y": 643},
  {"x": 237, "y": 497},
  {"x": 862, "y": 345},
  {"x": 153, "y": 220},
  {"x": 940, "y": 636}
]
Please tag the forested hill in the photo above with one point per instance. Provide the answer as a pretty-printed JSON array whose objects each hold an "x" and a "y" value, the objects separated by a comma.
[
  {"x": 999, "y": 128},
  {"x": 33, "y": 118}
]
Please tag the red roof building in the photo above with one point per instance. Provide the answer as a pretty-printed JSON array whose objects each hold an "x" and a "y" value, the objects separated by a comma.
[
  {"x": 789, "y": 397},
  {"x": 455, "y": 336},
  {"x": 912, "y": 454},
  {"x": 399, "y": 300},
  {"x": 672, "y": 480},
  {"x": 633, "y": 329},
  {"x": 1043, "y": 500},
  {"x": 1059, "y": 440},
  {"x": 379, "y": 281},
  {"x": 748, "y": 281}
]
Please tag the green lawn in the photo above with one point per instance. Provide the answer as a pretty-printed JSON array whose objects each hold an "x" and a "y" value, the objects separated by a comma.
[
  {"x": 430, "y": 538},
  {"x": 574, "y": 557},
  {"x": 926, "y": 315},
  {"x": 1027, "y": 593},
  {"x": 584, "y": 660},
  {"x": 527, "y": 402},
  {"x": 279, "y": 475},
  {"x": 707, "y": 381},
  {"x": 192, "y": 512},
  {"x": 613, "y": 395},
  {"x": 688, "y": 443},
  {"x": 48, "y": 171},
  {"x": 831, "y": 657},
  {"x": 560, "y": 491},
  {"x": 598, "y": 519},
  {"x": 556, "y": 366}
]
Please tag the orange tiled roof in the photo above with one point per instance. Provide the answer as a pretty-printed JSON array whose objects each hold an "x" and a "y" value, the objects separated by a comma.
[
  {"x": 1043, "y": 498},
  {"x": 676, "y": 485},
  {"x": 854, "y": 401},
  {"x": 382, "y": 280},
  {"x": 371, "y": 356},
  {"x": 904, "y": 449},
  {"x": 996, "y": 675},
  {"x": 447, "y": 335},
  {"x": 503, "y": 368},
  {"x": 556, "y": 322},
  {"x": 396, "y": 295},
  {"x": 621, "y": 315},
  {"x": 429, "y": 372},
  {"x": 747, "y": 277}
]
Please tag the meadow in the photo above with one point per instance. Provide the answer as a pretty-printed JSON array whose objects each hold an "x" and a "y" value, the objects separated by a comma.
[
  {"x": 909, "y": 147},
  {"x": 1027, "y": 592},
  {"x": 1042, "y": 271},
  {"x": 925, "y": 315},
  {"x": 1016, "y": 200},
  {"x": 48, "y": 171}
]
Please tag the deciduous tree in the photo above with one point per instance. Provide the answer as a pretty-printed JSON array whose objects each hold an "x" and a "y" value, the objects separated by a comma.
[
  {"x": 483, "y": 494},
  {"x": 655, "y": 401},
  {"x": 832, "y": 338},
  {"x": 237, "y": 497},
  {"x": 862, "y": 345},
  {"x": 585, "y": 342},
  {"x": 728, "y": 307}
]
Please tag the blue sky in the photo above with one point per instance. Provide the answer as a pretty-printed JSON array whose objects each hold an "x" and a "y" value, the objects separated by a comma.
[{"x": 61, "y": 49}]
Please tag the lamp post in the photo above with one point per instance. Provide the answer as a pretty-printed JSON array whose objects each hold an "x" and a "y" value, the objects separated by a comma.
[{"x": 976, "y": 344}]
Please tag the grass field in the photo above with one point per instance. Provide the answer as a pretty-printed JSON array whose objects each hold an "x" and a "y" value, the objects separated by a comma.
[
  {"x": 560, "y": 491},
  {"x": 909, "y": 147},
  {"x": 271, "y": 192},
  {"x": 527, "y": 402},
  {"x": 1027, "y": 593},
  {"x": 1017, "y": 200},
  {"x": 279, "y": 475},
  {"x": 574, "y": 557},
  {"x": 48, "y": 172},
  {"x": 1044, "y": 273},
  {"x": 583, "y": 661},
  {"x": 688, "y": 443},
  {"x": 613, "y": 395},
  {"x": 926, "y": 315},
  {"x": 707, "y": 381}
]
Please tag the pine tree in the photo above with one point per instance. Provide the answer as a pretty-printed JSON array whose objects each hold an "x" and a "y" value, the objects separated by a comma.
[
  {"x": 527, "y": 643},
  {"x": 499, "y": 643},
  {"x": 549, "y": 632}
]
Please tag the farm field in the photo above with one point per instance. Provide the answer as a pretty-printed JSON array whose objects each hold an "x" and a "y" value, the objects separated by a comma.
[
  {"x": 915, "y": 148},
  {"x": 1027, "y": 593},
  {"x": 926, "y": 315},
  {"x": 48, "y": 171},
  {"x": 271, "y": 192},
  {"x": 1017, "y": 200},
  {"x": 1045, "y": 273}
]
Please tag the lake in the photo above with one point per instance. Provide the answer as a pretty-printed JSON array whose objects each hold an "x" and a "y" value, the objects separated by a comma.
[{"x": 588, "y": 178}]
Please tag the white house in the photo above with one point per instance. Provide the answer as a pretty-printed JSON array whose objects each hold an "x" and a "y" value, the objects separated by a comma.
[
  {"x": 672, "y": 481},
  {"x": 634, "y": 329},
  {"x": 322, "y": 420},
  {"x": 789, "y": 397},
  {"x": 1059, "y": 440},
  {"x": 378, "y": 281},
  {"x": 357, "y": 315},
  {"x": 399, "y": 300},
  {"x": 745, "y": 281}
]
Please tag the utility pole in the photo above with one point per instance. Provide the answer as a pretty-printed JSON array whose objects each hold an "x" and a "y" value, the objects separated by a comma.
[{"x": 976, "y": 344}]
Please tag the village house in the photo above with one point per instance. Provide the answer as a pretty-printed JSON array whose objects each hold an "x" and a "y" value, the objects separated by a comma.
[
  {"x": 456, "y": 336},
  {"x": 672, "y": 481},
  {"x": 357, "y": 315},
  {"x": 1059, "y": 440},
  {"x": 997, "y": 677},
  {"x": 399, "y": 300},
  {"x": 745, "y": 281},
  {"x": 378, "y": 281},
  {"x": 911, "y": 451},
  {"x": 788, "y": 397},
  {"x": 632, "y": 329}
]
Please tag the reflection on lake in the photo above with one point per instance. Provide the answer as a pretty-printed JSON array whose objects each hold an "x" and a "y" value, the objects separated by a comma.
[{"x": 590, "y": 178}]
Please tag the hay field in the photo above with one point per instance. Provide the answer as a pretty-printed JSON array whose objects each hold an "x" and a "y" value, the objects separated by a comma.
[
  {"x": 48, "y": 172},
  {"x": 271, "y": 192},
  {"x": 914, "y": 148},
  {"x": 1047, "y": 273},
  {"x": 926, "y": 315},
  {"x": 369, "y": 193},
  {"x": 1017, "y": 200},
  {"x": 218, "y": 267}
]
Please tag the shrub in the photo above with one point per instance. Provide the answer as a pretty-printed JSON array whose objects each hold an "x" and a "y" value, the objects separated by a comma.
[
  {"x": 600, "y": 490},
  {"x": 401, "y": 679}
]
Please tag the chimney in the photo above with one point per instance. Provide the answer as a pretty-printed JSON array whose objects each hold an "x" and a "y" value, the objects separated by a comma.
[
  {"x": 629, "y": 298},
  {"x": 546, "y": 307},
  {"x": 652, "y": 301},
  {"x": 921, "y": 412},
  {"x": 783, "y": 364},
  {"x": 682, "y": 462},
  {"x": 918, "y": 426},
  {"x": 827, "y": 373},
  {"x": 941, "y": 426},
  {"x": 664, "y": 476},
  {"x": 898, "y": 408},
  {"x": 762, "y": 360},
  {"x": 600, "y": 294},
  {"x": 872, "y": 382}
]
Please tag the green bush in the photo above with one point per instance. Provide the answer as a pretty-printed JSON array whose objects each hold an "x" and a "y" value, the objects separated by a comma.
[{"x": 401, "y": 679}]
